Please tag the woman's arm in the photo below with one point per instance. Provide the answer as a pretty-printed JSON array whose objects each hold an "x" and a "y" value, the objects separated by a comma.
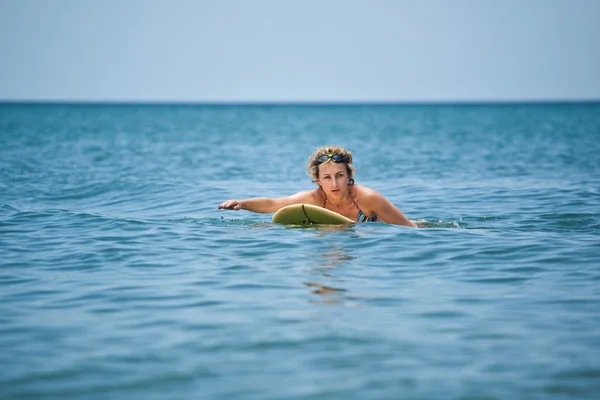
[
  {"x": 386, "y": 210},
  {"x": 268, "y": 205}
]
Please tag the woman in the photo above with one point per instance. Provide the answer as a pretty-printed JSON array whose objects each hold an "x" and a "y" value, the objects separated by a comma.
[{"x": 331, "y": 168}]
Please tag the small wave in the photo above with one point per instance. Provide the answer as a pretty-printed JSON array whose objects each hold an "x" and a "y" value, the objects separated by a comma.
[
  {"x": 423, "y": 223},
  {"x": 8, "y": 209},
  {"x": 217, "y": 222}
]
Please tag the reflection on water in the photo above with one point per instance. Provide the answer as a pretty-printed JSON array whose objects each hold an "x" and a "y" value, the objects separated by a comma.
[
  {"x": 322, "y": 289},
  {"x": 322, "y": 228},
  {"x": 330, "y": 261},
  {"x": 334, "y": 257}
]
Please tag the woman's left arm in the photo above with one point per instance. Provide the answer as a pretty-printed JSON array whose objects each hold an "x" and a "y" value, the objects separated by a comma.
[{"x": 387, "y": 211}]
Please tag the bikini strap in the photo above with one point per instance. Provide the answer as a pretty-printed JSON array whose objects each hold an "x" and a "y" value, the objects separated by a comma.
[{"x": 354, "y": 201}]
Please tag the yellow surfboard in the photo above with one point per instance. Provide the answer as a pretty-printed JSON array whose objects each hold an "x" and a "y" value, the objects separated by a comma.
[{"x": 302, "y": 214}]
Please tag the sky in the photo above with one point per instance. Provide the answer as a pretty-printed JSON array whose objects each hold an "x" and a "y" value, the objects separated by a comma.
[{"x": 270, "y": 51}]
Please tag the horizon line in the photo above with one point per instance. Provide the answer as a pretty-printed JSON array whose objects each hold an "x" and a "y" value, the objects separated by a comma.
[{"x": 296, "y": 103}]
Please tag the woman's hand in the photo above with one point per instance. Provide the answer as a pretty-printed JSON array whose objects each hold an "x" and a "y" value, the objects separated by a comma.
[{"x": 230, "y": 205}]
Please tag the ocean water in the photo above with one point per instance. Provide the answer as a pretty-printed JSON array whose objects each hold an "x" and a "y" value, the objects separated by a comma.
[{"x": 120, "y": 279}]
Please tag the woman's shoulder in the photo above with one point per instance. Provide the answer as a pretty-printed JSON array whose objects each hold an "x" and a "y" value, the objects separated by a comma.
[
  {"x": 366, "y": 193},
  {"x": 313, "y": 196}
]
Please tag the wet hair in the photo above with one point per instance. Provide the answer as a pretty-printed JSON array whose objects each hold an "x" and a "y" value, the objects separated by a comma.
[{"x": 313, "y": 170}]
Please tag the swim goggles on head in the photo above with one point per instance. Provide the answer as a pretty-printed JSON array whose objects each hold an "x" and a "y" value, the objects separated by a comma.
[{"x": 336, "y": 158}]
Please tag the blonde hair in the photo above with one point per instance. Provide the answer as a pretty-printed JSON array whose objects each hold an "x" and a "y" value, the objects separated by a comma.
[{"x": 313, "y": 170}]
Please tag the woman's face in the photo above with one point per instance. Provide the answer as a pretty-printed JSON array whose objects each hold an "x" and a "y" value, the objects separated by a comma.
[{"x": 333, "y": 178}]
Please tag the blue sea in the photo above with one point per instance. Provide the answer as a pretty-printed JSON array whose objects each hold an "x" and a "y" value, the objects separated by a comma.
[{"x": 120, "y": 279}]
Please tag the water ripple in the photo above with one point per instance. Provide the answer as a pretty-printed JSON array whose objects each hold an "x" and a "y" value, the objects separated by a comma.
[{"x": 119, "y": 277}]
